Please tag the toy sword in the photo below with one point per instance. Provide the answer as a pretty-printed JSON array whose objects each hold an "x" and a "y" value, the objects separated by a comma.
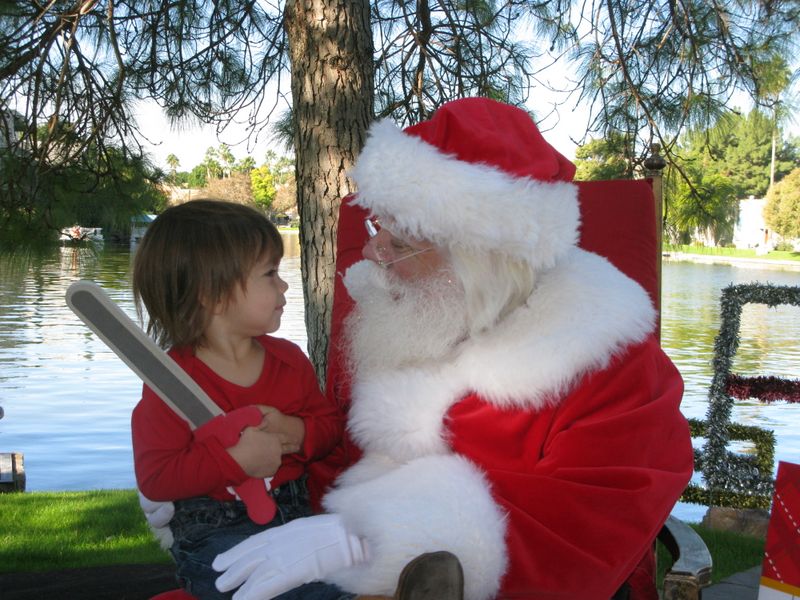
[{"x": 161, "y": 374}]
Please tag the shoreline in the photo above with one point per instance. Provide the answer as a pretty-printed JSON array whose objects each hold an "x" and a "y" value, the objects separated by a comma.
[{"x": 736, "y": 261}]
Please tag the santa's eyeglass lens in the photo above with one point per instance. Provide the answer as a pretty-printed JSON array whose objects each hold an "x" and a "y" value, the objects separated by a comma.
[{"x": 396, "y": 251}]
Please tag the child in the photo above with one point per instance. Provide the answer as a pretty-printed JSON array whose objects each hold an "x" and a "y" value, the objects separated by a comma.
[{"x": 207, "y": 274}]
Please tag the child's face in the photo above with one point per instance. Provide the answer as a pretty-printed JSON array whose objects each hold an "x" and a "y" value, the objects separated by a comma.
[{"x": 257, "y": 309}]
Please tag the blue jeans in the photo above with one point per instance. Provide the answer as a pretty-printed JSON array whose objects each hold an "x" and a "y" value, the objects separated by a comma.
[{"x": 203, "y": 527}]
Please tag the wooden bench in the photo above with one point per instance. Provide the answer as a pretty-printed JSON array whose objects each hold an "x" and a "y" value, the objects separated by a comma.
[{"x": 12, "y": 472}]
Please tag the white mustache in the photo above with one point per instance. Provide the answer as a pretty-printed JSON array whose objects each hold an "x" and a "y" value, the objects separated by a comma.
[
  {"x": 397, "y": 323},
  {"x": 365, "y": 276}
]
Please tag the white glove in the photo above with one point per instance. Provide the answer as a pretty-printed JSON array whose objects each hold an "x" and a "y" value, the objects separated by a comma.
[
  {"x": 158, "y": 514},
  {"x": 282, "y": 558}
]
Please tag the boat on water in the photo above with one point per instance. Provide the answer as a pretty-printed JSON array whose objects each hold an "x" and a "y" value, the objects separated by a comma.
[{"x": 81, "y": 235}]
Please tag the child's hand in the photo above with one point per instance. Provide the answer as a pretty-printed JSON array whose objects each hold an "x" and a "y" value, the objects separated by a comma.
[
  {"x": 258, "y": 452},
  {"x": 290, "y": 430}
]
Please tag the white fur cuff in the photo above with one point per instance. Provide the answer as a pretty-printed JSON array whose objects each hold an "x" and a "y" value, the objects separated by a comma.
[{"x": 429, "y": 504}]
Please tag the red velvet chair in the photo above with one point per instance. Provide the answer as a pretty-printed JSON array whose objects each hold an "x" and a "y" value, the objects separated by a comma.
[
  {"x": 173, "y": 595},
  {"x": 620, "y": 220}
]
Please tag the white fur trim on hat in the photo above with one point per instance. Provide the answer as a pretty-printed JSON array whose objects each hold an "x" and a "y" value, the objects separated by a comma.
[{"x": 435, "y": 196}]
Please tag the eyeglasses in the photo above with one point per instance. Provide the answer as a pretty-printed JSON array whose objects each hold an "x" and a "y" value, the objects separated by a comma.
[{"x": 397, "y": 249}]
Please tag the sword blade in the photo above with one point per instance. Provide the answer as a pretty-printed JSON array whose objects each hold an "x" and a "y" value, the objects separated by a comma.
[{"x": 127, "y": 340}]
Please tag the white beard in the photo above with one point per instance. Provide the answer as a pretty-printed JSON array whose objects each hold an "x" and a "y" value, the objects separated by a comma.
[{"x": 397, "y": 324}]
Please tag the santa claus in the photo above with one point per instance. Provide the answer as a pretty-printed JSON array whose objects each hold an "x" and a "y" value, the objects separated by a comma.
[{"x": 507, "y": 393}]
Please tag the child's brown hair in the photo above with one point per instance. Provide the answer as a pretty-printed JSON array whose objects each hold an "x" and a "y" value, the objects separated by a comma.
[{"x": 191, "y": 258}]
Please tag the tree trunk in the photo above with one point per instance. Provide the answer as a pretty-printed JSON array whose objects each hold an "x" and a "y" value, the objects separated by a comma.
[
  {"x": 772, "y": 159},
  {"x": 330, "y": 46}
]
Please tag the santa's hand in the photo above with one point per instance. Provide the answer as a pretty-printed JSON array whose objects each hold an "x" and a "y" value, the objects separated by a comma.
[
  {"x": 282, "y": 558},
  {"x": 158, "y": 514}
]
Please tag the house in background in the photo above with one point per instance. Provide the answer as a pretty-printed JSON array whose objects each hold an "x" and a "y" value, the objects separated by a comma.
[
  {"x": 751, "y": 231},
  {"x": 6, "y": 128},
  {"x": 139, "y": 225},
  {"x": 12, "y": 126}
]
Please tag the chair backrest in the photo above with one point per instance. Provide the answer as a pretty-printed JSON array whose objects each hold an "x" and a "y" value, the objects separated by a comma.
[{"x": 618, "y": 221}]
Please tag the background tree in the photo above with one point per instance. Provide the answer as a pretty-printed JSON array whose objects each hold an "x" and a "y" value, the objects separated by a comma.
[
  {"x": 282, "y": 170},
  {"x": 211, "y": 164},
  {"x": 603, "y": 159},
  {"x": 660, "y": 68},
  {"x": 773, "y": 80},
  {"x": 181, "y": 179},
  {"x": 281, "y": 167},
  {"x": 782, "y": 211},
  {"x": 737, "y": 153},
  {"x": 263, "y": 186},
  {"x": 227, "y": 159},
  {"x": 234, "y": 188},
  {"x": 704, "y": 206},
  {"x": 647, "y": 68},
  {"x": 247, "y": 164},
  {"x": 197, "y": 177},
  {"x": 746, "y": 158},
  {"x": 98, "y": 190},
  {"x": 285, "y": 202},
  {"x": 173, "y": 162}
]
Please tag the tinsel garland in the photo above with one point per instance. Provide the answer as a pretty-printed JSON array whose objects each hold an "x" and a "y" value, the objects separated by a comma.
[
  {"x": 732, "y": 479},
  {"x": 762, "y": 460},
  {"x": 764, "y": 388}
]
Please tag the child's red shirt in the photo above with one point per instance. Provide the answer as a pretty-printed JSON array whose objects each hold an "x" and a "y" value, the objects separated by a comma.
[{"x": 171, "y": 465}]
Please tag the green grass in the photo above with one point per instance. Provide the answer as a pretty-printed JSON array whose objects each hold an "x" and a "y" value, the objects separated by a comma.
[
  {"x": 730, "y": 552},
  {"x": 43, "y": 531},
  {"x": 735, "y": 252}
]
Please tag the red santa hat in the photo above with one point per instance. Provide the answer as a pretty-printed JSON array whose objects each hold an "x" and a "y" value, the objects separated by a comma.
[{"x": 478, "y": 175}]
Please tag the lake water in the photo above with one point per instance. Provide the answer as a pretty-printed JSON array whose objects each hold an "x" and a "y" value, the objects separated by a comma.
[{"x": 67, "y": 398}]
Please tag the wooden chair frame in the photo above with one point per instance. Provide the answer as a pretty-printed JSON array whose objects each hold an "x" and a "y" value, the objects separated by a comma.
[
  {"x": 692, "y": 564},
  {"x": 691, "y": 569}
]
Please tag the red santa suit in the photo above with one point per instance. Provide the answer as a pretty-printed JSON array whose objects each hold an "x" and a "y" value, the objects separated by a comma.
[{"x": 549, "y": 449}]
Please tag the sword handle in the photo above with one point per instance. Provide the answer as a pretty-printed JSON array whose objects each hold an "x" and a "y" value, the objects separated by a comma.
[
  {"x": 261, "y": 507},
  {"x": 227, "y": 428}
]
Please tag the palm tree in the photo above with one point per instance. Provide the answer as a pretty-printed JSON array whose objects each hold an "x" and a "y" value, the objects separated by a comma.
[
  {"x": 774, "y": 78},
  {"x": 173, "y": 162},
  {"x": 247, "y": 164},
  {"x": 227, "y": 158},
  {"x": 211, "y": 164}
]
